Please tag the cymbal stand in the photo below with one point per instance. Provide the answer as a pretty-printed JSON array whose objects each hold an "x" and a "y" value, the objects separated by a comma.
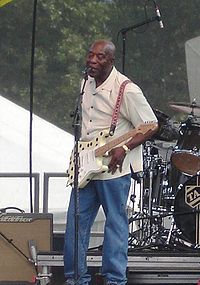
[
  {"x": 151, "y": 230},
  {"x": 165, "y": 187},
  {"x": 156, "y": 239},
  {"x": 136, "y": 221},
  {"x": 143, "y": 218},
  {"x": 155, "y": 231},
  {"x": 170, "y": 231},
  {"x": 150, "y": 169},
  {"x": 141, "y": 202}
]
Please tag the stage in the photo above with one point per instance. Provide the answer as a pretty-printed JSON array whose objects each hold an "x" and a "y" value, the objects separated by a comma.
[
  {"x": 175, "y": 263},
  {"x": 144, "y": 267}
]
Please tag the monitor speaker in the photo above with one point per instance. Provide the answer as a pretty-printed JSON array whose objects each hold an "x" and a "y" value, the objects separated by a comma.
[{"x": 21, "y": 235}]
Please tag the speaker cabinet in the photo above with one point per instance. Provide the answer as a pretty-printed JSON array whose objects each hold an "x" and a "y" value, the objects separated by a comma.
[{"x": 17, "y": 232}]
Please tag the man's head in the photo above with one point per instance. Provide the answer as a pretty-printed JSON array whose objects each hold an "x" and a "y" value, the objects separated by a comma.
[{"x": 100, "y": 59}]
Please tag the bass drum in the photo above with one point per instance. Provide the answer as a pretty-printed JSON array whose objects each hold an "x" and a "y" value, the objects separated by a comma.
[{"x": 187, "y": 209}]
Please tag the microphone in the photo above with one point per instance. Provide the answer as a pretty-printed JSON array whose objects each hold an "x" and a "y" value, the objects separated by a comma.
[
  {"x": 86, "y": 70},
  {"x": 159, "y": 16},
  {"x": 33, "y": 250}
]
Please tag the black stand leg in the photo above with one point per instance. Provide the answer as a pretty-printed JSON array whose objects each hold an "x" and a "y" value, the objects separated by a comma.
[{"x": 77, "y": 132}]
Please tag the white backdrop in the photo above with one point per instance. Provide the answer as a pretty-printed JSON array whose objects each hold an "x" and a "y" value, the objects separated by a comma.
[
  {"x": 51, "y": 152},
  {"x": 192, "y": 50}
]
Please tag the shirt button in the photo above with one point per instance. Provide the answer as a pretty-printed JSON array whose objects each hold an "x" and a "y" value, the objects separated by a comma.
[
  {"x": 90, "y": 121},
  {"x": 92, "y": 107},
  {"x": 88, "y": 134}
]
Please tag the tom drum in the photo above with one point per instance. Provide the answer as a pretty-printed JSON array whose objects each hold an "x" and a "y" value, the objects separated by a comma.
[{"x": 186, "y": 157}]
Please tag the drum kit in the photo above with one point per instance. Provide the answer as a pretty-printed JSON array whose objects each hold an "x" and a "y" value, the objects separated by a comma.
[{"x": 168, "y": 208}]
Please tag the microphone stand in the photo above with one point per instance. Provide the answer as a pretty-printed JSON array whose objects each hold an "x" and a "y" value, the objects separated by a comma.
[
  {"x": 77, "y": 132},
  {"x": 123, "y": 31}
]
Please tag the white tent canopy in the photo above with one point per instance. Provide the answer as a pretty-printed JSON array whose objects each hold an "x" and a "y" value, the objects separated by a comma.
[{"x": 51, "y": 148}]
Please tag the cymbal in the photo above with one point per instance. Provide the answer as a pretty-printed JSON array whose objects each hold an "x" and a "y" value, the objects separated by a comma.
[{"x": 188, "y": 108}]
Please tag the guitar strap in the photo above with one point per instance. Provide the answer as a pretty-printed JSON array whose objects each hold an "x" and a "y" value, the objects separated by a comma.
[{"x": 117, "y": 106}]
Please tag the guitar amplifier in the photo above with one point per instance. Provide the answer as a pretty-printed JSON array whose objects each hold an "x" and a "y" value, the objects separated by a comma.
[{"x": 21, "y": 236}]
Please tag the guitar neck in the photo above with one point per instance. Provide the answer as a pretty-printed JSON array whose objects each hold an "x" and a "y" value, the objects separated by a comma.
[{"x": 108, "y": 146}]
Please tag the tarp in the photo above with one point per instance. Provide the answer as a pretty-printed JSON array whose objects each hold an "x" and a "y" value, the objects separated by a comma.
[
  {"x": 51, "y": 148},
  {"x": 192, "y": 50}
]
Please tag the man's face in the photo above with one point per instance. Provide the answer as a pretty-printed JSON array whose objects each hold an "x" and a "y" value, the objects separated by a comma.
[{"x": 99, "y": 60}]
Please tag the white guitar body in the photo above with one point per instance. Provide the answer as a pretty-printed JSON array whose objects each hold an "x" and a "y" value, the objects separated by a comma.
[
  {"x": 91, "y": 154},
  {"x": 89, "y": 164}
]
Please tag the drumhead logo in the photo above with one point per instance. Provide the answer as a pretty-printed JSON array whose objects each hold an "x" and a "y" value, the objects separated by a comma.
[{"x": 192, "y": 195}]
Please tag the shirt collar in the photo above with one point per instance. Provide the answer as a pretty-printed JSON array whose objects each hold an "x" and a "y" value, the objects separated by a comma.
[{"x": 108, "y": 83}]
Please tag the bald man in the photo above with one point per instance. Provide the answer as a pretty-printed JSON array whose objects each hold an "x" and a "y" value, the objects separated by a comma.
[{"x": 107, "y": 187}]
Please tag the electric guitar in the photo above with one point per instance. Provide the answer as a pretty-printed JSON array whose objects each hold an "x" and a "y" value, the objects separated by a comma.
[{"x": 91, "y": 153}]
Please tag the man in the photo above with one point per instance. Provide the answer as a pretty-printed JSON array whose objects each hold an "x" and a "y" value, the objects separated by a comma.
[{"x": 111, "y": 188}]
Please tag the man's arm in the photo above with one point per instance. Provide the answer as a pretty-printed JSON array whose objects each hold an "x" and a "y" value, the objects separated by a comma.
[{"x": 118, "y": 154}]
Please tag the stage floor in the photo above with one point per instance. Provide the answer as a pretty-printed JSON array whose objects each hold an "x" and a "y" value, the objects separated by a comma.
[{"x": 144, "y": 267}]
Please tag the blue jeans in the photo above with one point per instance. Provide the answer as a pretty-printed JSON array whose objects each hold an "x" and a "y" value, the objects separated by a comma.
[{"x": 112, "y": 195}]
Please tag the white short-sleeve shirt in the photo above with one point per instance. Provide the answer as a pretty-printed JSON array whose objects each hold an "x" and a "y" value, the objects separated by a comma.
[{"x": 97, "y": 109}]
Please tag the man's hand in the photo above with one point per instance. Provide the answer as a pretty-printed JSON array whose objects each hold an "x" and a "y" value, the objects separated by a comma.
[{"x": 117, "y": 157}]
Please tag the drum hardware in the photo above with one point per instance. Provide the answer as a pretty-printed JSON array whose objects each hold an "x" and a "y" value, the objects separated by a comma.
[
  {"x": 136, "y": 221},
  {"x": 157, "y": 238},
  {"x": 152, "y": 165},
  {"x": 165, "y": 197},
  {"x": 132, "y": 198},
  {"x": 161, "y": 196},
  {"x": 150, "y": 225},
  {"x": 160, "y": 237},
  {"x": 170, "y": 231},
  {"x": 149, "y": 170}
]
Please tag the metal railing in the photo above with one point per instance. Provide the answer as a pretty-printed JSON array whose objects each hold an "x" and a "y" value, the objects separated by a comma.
[
  {"x": 47, "y": 176},
  {"x": 35, "y": 176}
]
